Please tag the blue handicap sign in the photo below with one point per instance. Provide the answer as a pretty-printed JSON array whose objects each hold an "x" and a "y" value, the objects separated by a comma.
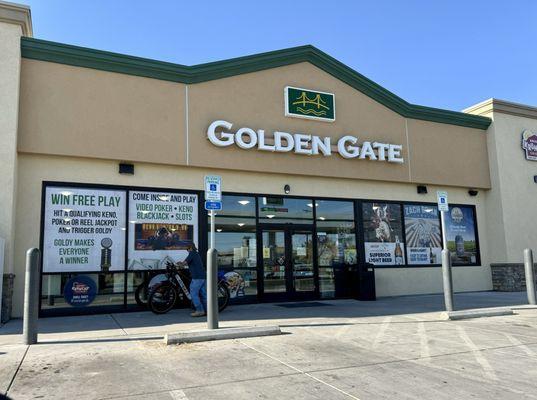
[
  {"x": 213, "y": 205},
  {"x": 213, "y": 187}
]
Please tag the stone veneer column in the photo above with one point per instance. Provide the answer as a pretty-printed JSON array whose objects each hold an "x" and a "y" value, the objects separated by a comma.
[{"x": 15, "y": 21}]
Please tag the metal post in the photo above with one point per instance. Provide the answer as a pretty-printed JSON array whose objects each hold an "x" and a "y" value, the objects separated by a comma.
[
  {"x": 212, "y": 295},
  {"x": 530, "y": 277},
  {"x": 444, "y": 236},
  {"x": 31, "y": 297},
  {"x": 446, "y": 266},
  {"x": 447, "y": 279},
  {"x": 211, "y": 245}
]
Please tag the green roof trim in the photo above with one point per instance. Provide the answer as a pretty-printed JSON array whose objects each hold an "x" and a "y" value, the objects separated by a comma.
[{"x": 44, "y": 50}]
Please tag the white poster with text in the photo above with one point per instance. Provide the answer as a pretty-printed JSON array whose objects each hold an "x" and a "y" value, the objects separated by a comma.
[
  {"x": 84, "y": 230},
  {"x": 161, "y": 227}
]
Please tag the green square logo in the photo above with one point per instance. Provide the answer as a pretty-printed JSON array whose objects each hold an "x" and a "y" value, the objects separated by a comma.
[{"x": 310, "y": 104}]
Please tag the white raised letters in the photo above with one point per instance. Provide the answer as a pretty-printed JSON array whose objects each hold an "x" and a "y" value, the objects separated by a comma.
[{"x": 348, "y": 146}]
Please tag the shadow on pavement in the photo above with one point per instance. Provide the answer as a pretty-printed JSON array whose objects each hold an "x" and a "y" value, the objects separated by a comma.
[{"x": 119, "y": 324}]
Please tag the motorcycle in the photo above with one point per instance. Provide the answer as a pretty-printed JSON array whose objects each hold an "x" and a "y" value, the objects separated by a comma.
[{"x": 171, "y": 288}]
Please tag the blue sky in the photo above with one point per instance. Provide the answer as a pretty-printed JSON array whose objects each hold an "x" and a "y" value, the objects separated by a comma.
[{"x": 447, "y": 54}]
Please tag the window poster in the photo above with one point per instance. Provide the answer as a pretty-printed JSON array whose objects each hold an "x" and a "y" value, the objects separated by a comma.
[
  {"x": 423, "y": 235},
  {"x": 460, "y": 232},
  {"x": 383, "y": 234},
  {"x": 161, "y": 227},
  {"x": 84, "y": 230}
]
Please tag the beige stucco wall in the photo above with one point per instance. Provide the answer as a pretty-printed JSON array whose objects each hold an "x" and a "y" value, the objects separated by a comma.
[
  {"x": 9, "y": 104},
  {"x": 33, "y": 169},
  {"x": 75, "y": 111},
  {"x": 448, "y": 154},
  {"x": 514, "y": 191}
]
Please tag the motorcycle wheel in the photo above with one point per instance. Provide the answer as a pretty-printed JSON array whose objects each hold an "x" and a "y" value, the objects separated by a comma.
[
  {"x": 223, "y": 296},
  {"x": 162, "y": 298},
  {"x": 141, "y": 295}
]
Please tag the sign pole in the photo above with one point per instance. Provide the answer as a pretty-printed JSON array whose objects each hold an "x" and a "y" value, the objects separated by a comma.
[
  {"x": 213, "y": 201},
  {"x": 447, "y": 279},
  {"x": 212, "y": 229}
]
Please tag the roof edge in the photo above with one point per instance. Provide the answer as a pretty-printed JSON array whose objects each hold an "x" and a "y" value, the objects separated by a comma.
[
  {"x": 43, "y": 50},
  {"x": 17, "y": 14},
  {"x": 502, "y": 106}
]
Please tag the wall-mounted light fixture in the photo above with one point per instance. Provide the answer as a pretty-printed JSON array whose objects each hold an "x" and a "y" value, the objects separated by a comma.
[
  {"x": 287, "y": 189},
  {"x": 125, "y": 168},
  {"x": 473, "y": 192},
  {"x": 422, "y": 189}
]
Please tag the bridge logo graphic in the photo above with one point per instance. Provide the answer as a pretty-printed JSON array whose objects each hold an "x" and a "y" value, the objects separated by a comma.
[{"x": 310, "y": 104}]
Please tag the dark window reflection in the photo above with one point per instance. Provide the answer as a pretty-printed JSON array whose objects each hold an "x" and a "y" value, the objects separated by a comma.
[
  {"x": 110, "y": 289},
  {"x": 336, "y": 243},
  {"x": 236, "y": 245},
  {"x": 285, "y": 210}
]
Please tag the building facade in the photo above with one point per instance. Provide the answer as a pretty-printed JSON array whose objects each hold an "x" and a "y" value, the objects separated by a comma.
[{"x": 322, "y": 170}]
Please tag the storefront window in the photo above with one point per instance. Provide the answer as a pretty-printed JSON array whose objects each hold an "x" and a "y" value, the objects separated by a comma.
[
  {"x": 336, "y": 244},
  {"x": 423, "y": 235},
  {"x": 82, "y": 291},
  {"x": 238, "y": 206},
  {"x": 235, "y": 239},
  {"x": 285, "y": 210},
  {"x": 461, "y": 235},
  {"x": 383, "y": 233}
]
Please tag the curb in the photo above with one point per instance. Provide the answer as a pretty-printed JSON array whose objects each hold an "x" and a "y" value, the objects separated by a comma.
[
  {"x": 478, "y": 313},
  {"x": 205, "y": 335}
]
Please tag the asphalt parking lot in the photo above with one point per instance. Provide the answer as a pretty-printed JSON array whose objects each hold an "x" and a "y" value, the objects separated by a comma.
[{"x": 397, "y": 348}]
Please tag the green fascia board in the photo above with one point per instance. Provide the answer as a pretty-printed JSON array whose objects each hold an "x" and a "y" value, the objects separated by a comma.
[{"x": 43, "y": 50}]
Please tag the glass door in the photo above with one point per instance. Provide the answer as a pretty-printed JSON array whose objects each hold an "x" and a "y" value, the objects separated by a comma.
[
  {"x": 302, "y": 261},
  {"x": 274, "y": 261},
  {"x": 288, "y": 269}
]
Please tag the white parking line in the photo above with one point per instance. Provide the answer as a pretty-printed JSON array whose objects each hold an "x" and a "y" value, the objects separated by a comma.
[
  {"x": 301, "y": 372},
  {"x": 521, "y": 345},
  {"x": 425, "y": 352},
  {"x": 382, "y": 331},
  {"x": 487, "y": 368},
  {"x": 178, "y": 395}
]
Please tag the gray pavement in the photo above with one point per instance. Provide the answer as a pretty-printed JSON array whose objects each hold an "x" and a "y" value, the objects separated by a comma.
[{"x": 394, "y": 348}]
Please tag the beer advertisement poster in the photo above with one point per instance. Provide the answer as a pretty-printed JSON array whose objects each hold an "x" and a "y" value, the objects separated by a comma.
[
  {"x": 383, "y": 234},
  {"x": 423, "y": 235},
  {"x": 84, "y": 230},
  {"x": 460, "y": 231},
  {"x": 161, "y": 227}
]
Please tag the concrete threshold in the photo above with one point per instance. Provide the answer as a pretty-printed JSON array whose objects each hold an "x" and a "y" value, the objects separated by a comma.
[{"x": 205, "y": 335}]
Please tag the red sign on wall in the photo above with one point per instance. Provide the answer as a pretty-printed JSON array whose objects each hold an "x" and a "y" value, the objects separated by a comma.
[{"x": 529, "y": 144}]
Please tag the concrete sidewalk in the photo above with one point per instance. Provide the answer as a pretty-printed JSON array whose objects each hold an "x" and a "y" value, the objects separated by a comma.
[
  {"x": 392, "y": 348},
  {"x": 148, "y": 325}
]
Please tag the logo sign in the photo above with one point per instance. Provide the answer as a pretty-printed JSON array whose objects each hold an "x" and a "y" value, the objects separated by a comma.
[
  {"x": 442, "y": 201},
  {"x": 213, "y": 205},
  {"x": 213, "y": 191},
  {"x": 310, "y": 104},
  {"x": 80, "y": 291},
  {"x": 529, "y": 144}
]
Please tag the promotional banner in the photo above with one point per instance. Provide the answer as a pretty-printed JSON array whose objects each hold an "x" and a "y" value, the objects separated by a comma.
[
  {"x": 161, "y": 227},
  {"x": 84, "y": 230},
  {"x": 383, "y": 233},
  {"x": 460, "y": 232},
  {"x": 423, "y": 235}
]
